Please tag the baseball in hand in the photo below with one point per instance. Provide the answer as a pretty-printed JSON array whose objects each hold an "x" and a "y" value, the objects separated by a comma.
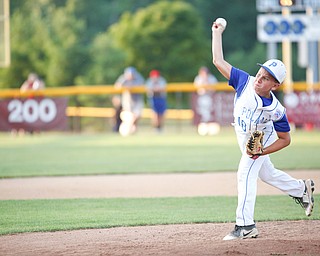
[{"x": 222, "y": 22}]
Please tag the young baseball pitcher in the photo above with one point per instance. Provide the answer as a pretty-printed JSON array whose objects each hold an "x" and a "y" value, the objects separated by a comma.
[{"x": 258, "y": 118}]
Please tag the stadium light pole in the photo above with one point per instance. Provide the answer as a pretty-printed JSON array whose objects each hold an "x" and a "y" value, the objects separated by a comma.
[
  {"x": 312, "y": 72},
  {"x": 287, "y": 56},
  {"x": 5, "y": 33}
]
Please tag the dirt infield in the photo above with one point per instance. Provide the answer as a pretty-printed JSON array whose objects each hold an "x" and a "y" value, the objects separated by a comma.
[
  {"x": 276, "y": 238},
  {"x": 140, "y": 185}
]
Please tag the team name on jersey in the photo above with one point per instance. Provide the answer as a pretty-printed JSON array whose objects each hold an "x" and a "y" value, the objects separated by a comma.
[{"x": 249, "y": 112}]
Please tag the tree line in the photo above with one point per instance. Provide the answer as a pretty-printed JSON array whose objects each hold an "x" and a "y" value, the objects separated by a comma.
[{"x": 80, "y": 42}]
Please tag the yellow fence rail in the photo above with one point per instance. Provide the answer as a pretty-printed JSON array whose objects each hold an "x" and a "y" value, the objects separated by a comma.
[
  {"x": 109, "y": 89},
  {"x": 180, "y": 114}
]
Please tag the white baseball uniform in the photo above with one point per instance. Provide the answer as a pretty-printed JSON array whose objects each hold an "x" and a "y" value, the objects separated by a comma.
[{"x": 252, "y": 112}]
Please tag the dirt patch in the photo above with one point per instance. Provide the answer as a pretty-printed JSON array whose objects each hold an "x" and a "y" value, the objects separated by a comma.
[
  {"x": 276, "y": 238},
  {"x": 140, "y": 185}
]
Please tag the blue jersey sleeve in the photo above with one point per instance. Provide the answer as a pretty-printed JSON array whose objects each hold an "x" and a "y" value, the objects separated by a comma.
[
  {"x": 238, "y": 80},
  {"x": 282, "y": 125}
]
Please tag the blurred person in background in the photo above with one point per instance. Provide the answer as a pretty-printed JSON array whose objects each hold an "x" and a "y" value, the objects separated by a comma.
[
  {"x": 117, "y": 106},
  {"x": 157, "y": 98},
  {"x": 204, "y": 103},
  {"x": 33, "y": 82},
  {"x": 203, "y": 80},
  {"x": 132, "y": 103}
]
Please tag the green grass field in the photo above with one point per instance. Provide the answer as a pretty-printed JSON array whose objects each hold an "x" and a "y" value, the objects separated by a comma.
[
  {"x": 86, "y": 154},
  {"x": 53, "y": 215}
]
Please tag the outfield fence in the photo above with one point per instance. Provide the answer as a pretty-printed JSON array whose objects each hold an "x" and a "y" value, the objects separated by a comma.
[
  {"x": 110, "y": 89},
  {"x": 303, "y": 105}
]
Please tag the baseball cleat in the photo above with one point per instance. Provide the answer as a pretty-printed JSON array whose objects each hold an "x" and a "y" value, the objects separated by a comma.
[
  {"x": 307, "y": 200},
  {"x": 242, "y": 232}
]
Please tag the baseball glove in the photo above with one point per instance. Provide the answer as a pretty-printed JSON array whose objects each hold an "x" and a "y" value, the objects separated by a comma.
[{"x": 255, "y": 144}]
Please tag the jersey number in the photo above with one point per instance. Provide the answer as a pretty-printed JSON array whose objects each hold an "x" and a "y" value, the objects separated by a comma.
[{"x": 242, "y": 124}]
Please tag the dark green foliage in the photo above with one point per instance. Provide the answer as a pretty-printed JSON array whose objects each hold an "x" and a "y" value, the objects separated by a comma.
[
  {"x": 70, "y": 42},
  {"x": 167, "y": 36}
]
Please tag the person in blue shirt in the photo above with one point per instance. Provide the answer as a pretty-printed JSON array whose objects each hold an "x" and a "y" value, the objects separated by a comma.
[
  {"x": 157, "y": 97},
  {"x": 257, "y": 108}
]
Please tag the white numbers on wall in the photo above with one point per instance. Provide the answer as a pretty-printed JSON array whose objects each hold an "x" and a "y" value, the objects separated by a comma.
[{"x": 31, "y": 111}]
